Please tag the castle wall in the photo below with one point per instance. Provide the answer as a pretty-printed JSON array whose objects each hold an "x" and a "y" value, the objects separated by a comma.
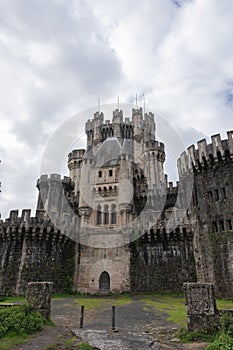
[
  {"x": 213, "y": 233},
  {"x": 211, "y": 210},
  {"x": 30, "y": 251},
  {"x": 160, "y": 263}
]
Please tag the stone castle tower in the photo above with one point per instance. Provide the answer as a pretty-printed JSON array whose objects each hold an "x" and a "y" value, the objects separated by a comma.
[{"x": 123, "y": 161}]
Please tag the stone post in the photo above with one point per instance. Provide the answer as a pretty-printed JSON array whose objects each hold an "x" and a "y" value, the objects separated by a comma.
[
  {"x": 39, "y": 295},
  {"x": 202, "y": 313}
]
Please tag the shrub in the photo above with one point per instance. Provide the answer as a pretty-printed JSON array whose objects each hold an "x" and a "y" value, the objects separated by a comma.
[
  {"x": 188, "y": 337},
  {"x": 226, "y": 323},
  {"x": 223, "y": 342},
  {"x": 20, "y": 319}
]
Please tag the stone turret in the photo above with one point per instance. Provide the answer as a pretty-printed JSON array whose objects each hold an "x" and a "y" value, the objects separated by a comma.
[
  {"x": 125, "y": 197},
  {"x": 117, "y": 120},
  {"x": 97, "y": 123},
  {"x": 137, "y": 119},
  {"x": 74, "y": 165},
  {"x": 52, "y": 198},
  {"x": 149, "y": 129}
]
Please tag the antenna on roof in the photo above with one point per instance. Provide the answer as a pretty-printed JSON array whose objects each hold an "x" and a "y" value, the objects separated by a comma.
[
  {"x": 118, "y": 103},
  {"x": 99, "y": 105},
  {"x": 136, "y": 100},
  {"x": 144, "y": 103}
]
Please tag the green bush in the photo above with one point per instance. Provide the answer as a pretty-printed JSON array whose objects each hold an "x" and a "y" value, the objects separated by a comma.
[
  {"x": 20, "y": 319},
  {"x": 223, "y": 342},
  {"x": 226, "y": 324},
  {"x": 188, "y": 337}
]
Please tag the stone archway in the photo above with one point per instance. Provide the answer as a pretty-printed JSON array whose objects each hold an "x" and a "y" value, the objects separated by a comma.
[{"x": 104, "y": 282}]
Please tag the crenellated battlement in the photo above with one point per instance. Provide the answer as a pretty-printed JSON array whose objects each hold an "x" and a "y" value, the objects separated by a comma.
[
  {"x": 37, "y": 225},
  {"x": 172, "y": 189},
  {"x": 76, "y": 154},
  {"x": 206, "y": 155},
  {"x": 66, "y": 180},
  {"x": 139, "y": 127}
]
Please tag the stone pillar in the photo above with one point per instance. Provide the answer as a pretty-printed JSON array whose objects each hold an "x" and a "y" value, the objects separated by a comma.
[
  {"x": 39, "y": 295},
  {"x": 202, "y": 313}
]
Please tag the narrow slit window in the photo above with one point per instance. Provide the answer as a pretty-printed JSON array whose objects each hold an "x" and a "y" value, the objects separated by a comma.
[
  {"x": 210, "y": 196},
  {"x": 215, "y": 227},
  {"x": 229, "y": 224},
  {"x": 221, "y": 225},
  {"x": 106, "y": 215},
  {"x": 113, "y": 214},
  {"x": 99, "y": 215},
  {"x": 223, "y": 190}
]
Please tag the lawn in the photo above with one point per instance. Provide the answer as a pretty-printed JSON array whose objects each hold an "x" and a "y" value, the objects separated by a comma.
[
  {"x": 91, "y": 303},
  {"x": 173, "y": 306}
]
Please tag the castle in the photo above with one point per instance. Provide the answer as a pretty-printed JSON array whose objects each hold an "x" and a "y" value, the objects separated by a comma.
[{"x": 117, "y": 225}]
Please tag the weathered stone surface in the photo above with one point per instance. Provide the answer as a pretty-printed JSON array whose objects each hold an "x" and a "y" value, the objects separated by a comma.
[
  {"x": 202, "y": 313},
  {"x": 161, "y": 265},
  {"x": 33, "y": 251},
  {"x": 39, "y": 295}
]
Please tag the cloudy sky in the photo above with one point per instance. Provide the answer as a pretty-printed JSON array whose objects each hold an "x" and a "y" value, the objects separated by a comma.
[{"x": 57, "y": 57}]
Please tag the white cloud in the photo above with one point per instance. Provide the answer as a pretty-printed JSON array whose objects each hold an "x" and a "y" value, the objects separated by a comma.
[{"x": 59, "y": 57}]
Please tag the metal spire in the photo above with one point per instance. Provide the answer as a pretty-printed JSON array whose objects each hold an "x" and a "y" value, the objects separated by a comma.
[{"x": 144, "y": 103}]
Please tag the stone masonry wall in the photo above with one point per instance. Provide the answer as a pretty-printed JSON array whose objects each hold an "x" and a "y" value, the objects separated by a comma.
[
  {"x": 34, "y": 252},
  {"x": 161, "y": 264},
  {"x": 212, "y": 210},
  {"x": 213, "y": 239}
]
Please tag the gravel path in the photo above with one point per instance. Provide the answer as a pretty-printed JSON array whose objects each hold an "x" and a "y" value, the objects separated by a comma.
[{"x": 134, "y": 322}]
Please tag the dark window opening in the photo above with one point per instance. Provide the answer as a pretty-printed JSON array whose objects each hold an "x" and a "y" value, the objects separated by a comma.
[
  {"x": 223, "y": 190},
  {"x": 110, "y": 172},
  {"x": 216, "y": 195},
  {"x": 195, "y": 198},
  {"x": 99, "y": 215},
  {"x": 106, "y": 215},
  {"x": 221, "y": 225},
  {"x": 113, "y": 214},
  {"x": 210, "y": 196},
  {"x": 229, "y": 224},
  {"x": 100, "y": 173},
  {"x": 215, "y": 227}
]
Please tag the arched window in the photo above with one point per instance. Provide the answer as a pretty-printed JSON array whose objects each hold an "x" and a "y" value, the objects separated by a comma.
[
  {"x": 106, "y": 215},
  {"x": 113, "y": 214},
  {"x": 99, "y": 215}
]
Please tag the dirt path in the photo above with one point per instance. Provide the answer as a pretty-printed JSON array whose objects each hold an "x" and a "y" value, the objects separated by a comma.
[{"x": 138, "y": 328}]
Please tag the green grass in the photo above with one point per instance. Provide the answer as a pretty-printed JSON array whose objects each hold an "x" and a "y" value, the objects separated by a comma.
[
  {"x": 224, "y": 304},
  {"x": 12, "y": 299},
  {"x": 85, "y": 346},
  {"x": 13, "y": 339},
  {"x": 173, "y": 306},
  {"x": 91, "y": 303}
]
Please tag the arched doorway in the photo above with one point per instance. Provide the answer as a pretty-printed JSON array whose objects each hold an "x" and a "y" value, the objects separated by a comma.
[{"x": 104, "y": 282}]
